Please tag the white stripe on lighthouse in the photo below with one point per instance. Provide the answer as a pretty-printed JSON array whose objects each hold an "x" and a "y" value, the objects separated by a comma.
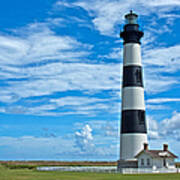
[
  {"x": 131, "y": 145},
  {"x": 132, "y": 54},
  {"x": 133, "y": 98}
]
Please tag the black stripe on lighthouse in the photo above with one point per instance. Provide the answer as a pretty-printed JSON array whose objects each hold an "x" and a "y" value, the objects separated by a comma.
[
  {"x": 131, "y": 34},
  {"x": 132, "y": 76},
  {"x": 133, "y": 121}
]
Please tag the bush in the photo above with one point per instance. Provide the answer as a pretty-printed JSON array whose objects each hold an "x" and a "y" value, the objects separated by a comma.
[{"x": 19, "y": 166}]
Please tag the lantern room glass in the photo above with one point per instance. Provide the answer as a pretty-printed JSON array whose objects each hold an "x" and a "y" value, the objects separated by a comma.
[{"x": 131, "y": 18}]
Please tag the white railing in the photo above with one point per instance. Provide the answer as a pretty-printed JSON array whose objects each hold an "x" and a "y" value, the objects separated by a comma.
[
  {"x": 148, "y": 170},
  {"x": 109, "y": 169}
]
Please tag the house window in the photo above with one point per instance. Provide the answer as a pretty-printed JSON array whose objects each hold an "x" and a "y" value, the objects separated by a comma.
[
  {"x": 142, "y": 162},
  {"x": 164, "y": 162},
  {"x": 148, "y": 161}
]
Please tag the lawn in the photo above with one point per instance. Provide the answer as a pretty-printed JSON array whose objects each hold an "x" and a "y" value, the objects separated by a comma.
[{"x": 31, "y": 174}]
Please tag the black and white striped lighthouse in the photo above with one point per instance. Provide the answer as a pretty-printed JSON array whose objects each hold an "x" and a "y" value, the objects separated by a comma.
[{"x": 133, "y": 123}]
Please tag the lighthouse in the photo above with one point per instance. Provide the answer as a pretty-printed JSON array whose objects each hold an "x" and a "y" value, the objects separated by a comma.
[{"x": 133, "y": 122}]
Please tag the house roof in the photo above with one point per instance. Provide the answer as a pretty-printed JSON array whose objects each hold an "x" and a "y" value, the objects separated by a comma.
[{"x": 157, "y": 154}]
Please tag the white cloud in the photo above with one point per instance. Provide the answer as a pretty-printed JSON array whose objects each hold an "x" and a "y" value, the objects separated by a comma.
[
  {"x": 165, "y": 58},
  {"x": 39, "y": 47},
  {"x": 76, "y": 101},
  {"x": 104, "y": 128},
  {"x": 53, "y": 148},
  {"x": 158, "y": 61},
  {"x": 63, "y": 3},
  {"x": 69, "y": 105},
  {"x": 8, "y": 98},
  {"x": 2, "y": 110},
  {"x": 58, "y": 77},
  {"x": 111, "y": 130},
  {"x": 165, "y": 130},
  {"x": 116, "y": 53},
  {"x": 30, "y": 147},
  {"x": 28, "y": 58},
  {"x": 156, "y": 107},
  {"x": 83, "y": 139},
  {"x": 27, "y": 68},
  {"x": 156, "y": 83},
  {"x": 152, "y": 128},
  {"x": 107, "y": 14},
  {"x": 163, "y": 100},
  {"x": 164, "y": 3},
  {"x": 170, "y": 127},
  {"x": 105, "y": 140}
]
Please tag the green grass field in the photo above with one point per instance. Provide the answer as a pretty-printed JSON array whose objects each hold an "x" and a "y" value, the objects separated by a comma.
[{"x": 32, "y": 174}]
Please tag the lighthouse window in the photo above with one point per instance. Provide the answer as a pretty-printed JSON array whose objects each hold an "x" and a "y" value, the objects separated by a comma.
[
  {"x": 141, "y": 117},
  {"x": 138, "y": 76},
  {"x": 132, "y": 76}
]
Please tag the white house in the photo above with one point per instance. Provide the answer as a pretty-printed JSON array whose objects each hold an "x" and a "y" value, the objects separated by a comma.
[{"x": 156, "y": 158}]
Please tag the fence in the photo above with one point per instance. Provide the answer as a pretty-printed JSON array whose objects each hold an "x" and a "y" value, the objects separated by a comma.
[
  {"x": 108, "y": 169},
  {"x": 146, "y": 171}
]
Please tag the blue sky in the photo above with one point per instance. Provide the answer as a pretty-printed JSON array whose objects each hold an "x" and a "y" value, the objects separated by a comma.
[{"x": 60, "y": 77}]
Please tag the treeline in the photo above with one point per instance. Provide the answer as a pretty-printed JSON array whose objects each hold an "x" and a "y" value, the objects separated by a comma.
[{"x": 34, "y": 164}]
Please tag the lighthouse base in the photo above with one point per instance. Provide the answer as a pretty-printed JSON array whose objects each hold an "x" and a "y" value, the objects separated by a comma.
[
  {"x": 127, "y": 164},
  {"x": 131, "y": 144}
]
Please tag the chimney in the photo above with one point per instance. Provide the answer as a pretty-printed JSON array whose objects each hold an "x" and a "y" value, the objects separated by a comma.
[
  {"x": 165, "y": 147},
  {"x": 145, "y": 146}
]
